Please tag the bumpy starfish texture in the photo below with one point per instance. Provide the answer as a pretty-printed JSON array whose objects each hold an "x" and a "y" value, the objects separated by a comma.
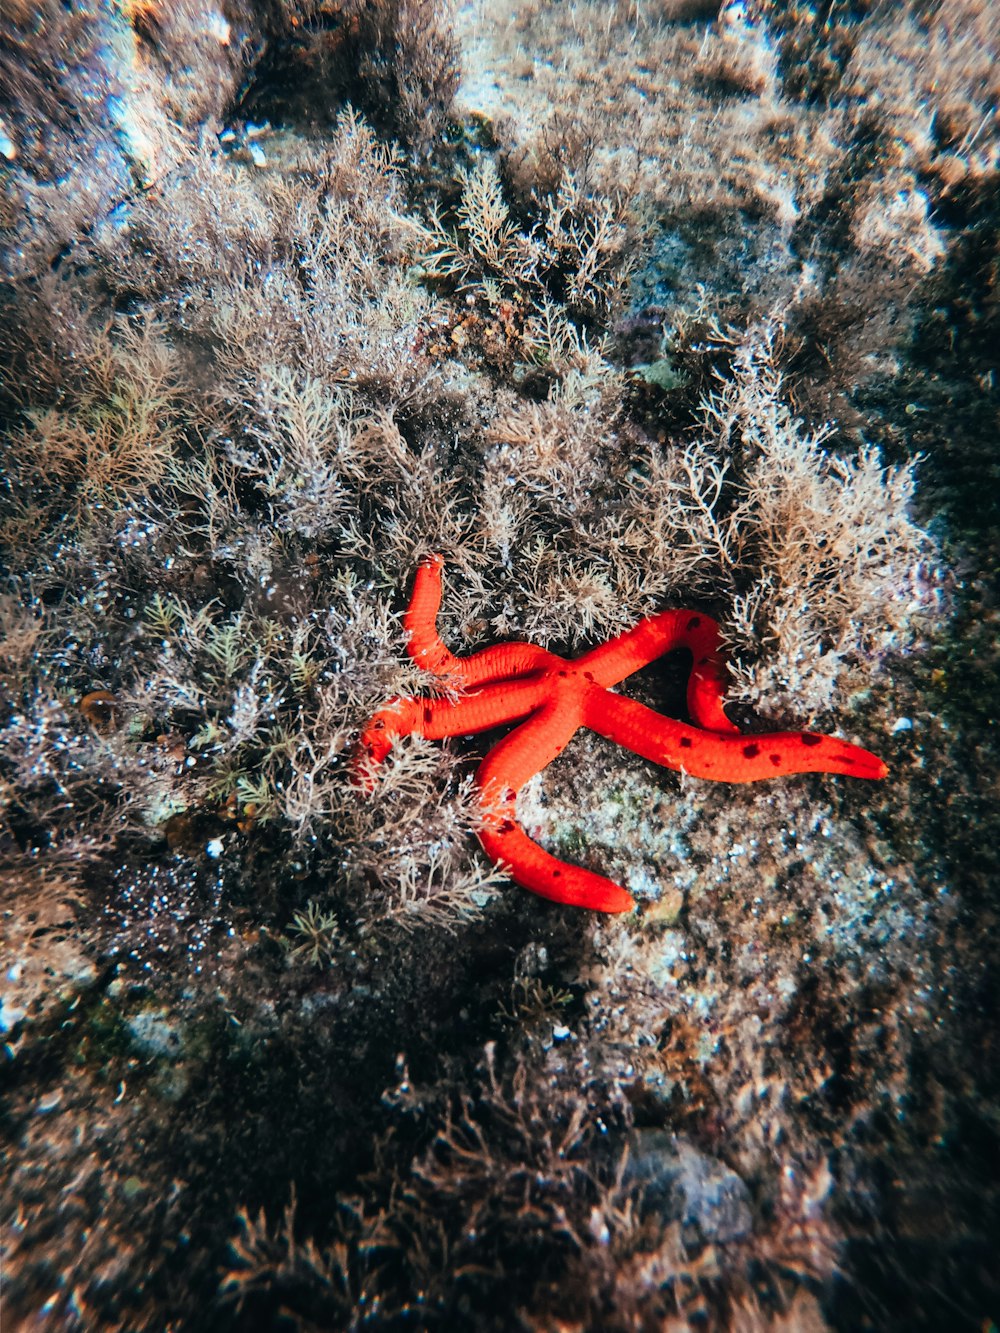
[{"x": 551, "y": 697}]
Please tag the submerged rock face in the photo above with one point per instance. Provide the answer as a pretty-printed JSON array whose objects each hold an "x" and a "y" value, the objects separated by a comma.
[
  {"x": 619, "y": 308},
  {"x": 99, "y": 101}
]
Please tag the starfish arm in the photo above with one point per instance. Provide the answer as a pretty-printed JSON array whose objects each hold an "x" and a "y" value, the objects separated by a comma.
[
  {"x": 539, "y": 872},
  {"x": 705, "y": 754},
  {"x": 420, "y": 622},
  {"x": 529, "y": 748},
  {"x": 501, "y": 775},
  {"x": 505, "y": 661},
  {"x": 397, "y": 718},
  {"x": 428, "y": 650},
  {"x": 479, "y": 710},
  {"x": 659, "y": 634},
  {"x": 436, "y": 718}
]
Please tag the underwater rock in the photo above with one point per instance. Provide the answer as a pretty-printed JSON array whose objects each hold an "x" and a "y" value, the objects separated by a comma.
[{"x": 687, "y": 1186}]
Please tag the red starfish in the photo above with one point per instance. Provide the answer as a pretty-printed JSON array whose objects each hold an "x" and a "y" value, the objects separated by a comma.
[{"x": 555, "y": 697}]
